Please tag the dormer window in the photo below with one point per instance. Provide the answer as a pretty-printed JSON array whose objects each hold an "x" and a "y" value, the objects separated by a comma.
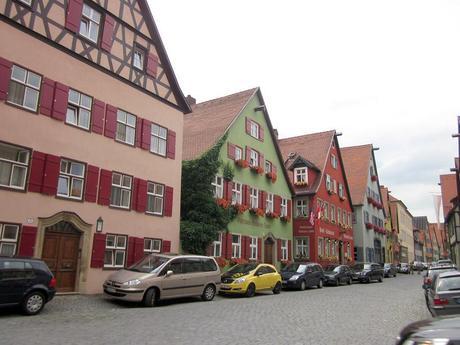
[
  {"x": 300, "y": 176},
  {"x": 89, "y": 25}
]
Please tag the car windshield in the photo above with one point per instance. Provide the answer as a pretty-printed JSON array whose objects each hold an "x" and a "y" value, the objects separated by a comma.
[
  {"x": 295, "y": 267},
  {"x": 150, "y": 264},
  {"x": 243, "y": 268},
  {"x": 387, "y": 265},
  {"x": 404, "y": 265},
  {"x": 432, "y": 273},
  {"x": 362, "y": 266},
  {"x": 449, "y": 283},
  {"x": 331, "y": 268}
]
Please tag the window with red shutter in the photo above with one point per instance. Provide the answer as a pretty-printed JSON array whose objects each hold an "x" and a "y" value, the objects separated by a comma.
[
  {"x": 61, "y": 97},
  {"x": 227, "y": 245},
  {"x": 228, "y": 188},
  {"x": 166, "y": 247},
  {"x": 261, "y": 160},
  {"x": 51, "y": 176},
  {"x": 278, "y": 249},
  {"x": 110, "y": 121},
  {"x": 289, "y": 208},
  {"x": 37, "y": 171},
  {"x": 244, "y": 252},
  {"x": 97, "y": 116},
  {"x": 277, "y": 204},
  {"x": 139, "y": 249},
  {"x": 261, "y": 133},
  {"x": 246, "y": 195},
  {"x": 152, "y": 65},
  {"x": 231, "y": 151},
  {"x": 259, "y": 249},
  {"x": 138, "y": 138},
  {"x": 97, "y": 256},
  {"x": 5, "y": 76},
  {"x": 171, "y": 144},
  {"x": 131, "y": 250},
  {"x": 107, "y": 34},
  {"x": 248, "y": 154},
  {"x": 289, "y": 249},
  {"x": 28, "y": 239},
  {"x": 47, "y": 96},
  {"x": 92, "y": 177},
  {"x": 248, "y": 126},
  {"x": 146, "y": 134},
  {"x": 169, "y": 192},
  {"x": 134, "y": 193},
  {"x": 262, "y": 200},
  {"x": 105, "y": 187},
  {"x": 73, "y": 15},
  {"x": 141, "y": 196}
]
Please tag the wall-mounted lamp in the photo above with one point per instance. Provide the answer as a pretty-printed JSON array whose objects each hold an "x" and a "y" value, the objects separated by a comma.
[{"x": 99, "y": 224}]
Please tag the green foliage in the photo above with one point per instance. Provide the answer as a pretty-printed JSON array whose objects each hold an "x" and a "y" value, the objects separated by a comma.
[
  {"x": 201, "y": 217},
  {"x": 228, "y": 172}
]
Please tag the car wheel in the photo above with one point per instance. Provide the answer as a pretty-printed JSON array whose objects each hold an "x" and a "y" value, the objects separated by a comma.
[
  {"x": 251, "y": 291},
  {"x": 320, "y": 284},
  {"x": 380, "y": 279},
  {"x": 33, "y": 303},
  {"x": 208, "y": 293},
  {"x": 303, "y": 285},
  {"x": 349, "y": 281},
  {"x": 277, "y": 288},
  {"x": 150, "y": 298}
]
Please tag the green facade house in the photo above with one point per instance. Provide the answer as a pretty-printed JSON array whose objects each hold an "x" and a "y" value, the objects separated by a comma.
[{"x": 259, "y": 190}]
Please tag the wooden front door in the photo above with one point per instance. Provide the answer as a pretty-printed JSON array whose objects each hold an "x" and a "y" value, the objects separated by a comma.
[
  {"x": 268, "y": 251},
  {"x": 60, "y": 252}
]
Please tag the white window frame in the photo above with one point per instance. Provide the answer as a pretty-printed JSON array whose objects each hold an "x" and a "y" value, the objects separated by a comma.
[
  {"x": 125, "y": 126},
  {"x": 236, "y": 247},
  {"x": 302, "y": 246},
  {"x": 217, "y": 246},
  {"x": 218, "y": 187},
  {"x": 154, "y": 195},
  {"x": 253, "y": 248},
  {"x": 334, "y": 161},
  {"x": 284, "y": 250},
  {"x": 328, "y": 183},
  {"x": 301, "y": 208},
  {"x": 269, "y": 203},
  {"x": 158, "y": 139},
  {"x": 334, "y": 184},
  {"x": 238, "y": 153},
  {"x": 301, "y": 175},
  {"x": 71, "y": 178},
  {"x": 284, "y": 207},
  {"x": 78, "y": 106},
  {"x": 90, "y": 20},
  {"x": 320, "y": 246},
  {"x": 333, "y": 215},
  {"x": 30, "y": 88},
  {"x": 255, "y": 129},
  {"x": 254, "y": 197},
  {"x": 268, "y": 166},
  {"x": 237, "y": 193},
  {"x": 15, "y": 165},
  {"x": 123, "y": 189},
  {"x": 340, "y": 190},
  {"x": 154, "y": 245},
  {"x": 115, "y": 249},
  {"x": 138, "y": 58},
  {"x": 8, "y": 242},
  {"x": 339, "y": 215},
  {"x": 253, "y": 158},
  {"x": 326, "y": 209}
]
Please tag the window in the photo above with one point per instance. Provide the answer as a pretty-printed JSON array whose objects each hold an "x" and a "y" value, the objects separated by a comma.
[
  {"x": 126, "y": 127},
  {"x": 24, "y": 88},
  {"x": 328, "y": 183},
  {"x": 8, "y": 239},
  {"x": 371, "y": 170},
  {"x": 236, "y": 246},
  {"x": 253, "y": 158},
  {"x": 328, "y": 247},
  {"x": 89, "y": 25},
  {"x": 369, "y": 193},
  {"x": 301, "y": 208},
  {"x": 334, "y": 161},
  {"x": 284, "y": 249},
  {"x": 268, "y": 167},
  {"x": 78, "y": 109},
  {"x": 115, "y": 250},
  {"x": 254, "y": 129},
  {"x": 254, "y": 197},
  {"x": 218, "y": 187},
  {"x": 217, "y": 246},
  {"x": 158, "y": 140},
  {"x": 253, "y": 248},
  {"x": 326, "y": 210},
  {"x": 339, "y": 214},
  {"x": 283, "y": 209},
  {"x": 71, "y": 177},
  {"x": 238, "y": 153},
  {"x": 138, "y": 58},
  {"x": 366, "y": 217},
  {"x": 121, "y": 190},
  {"x": 335, "y": 186},
  {"x": 348, "y": 250},
  {"x": 14, "y": 162},
  {"x": 344, "y": 217},
  {"x": 237, "y": 193},
  {"x": 300, "y": 175},
  {"x": 340, "y": 190},
  {"x": 302, "y": 247},
  {"x": 332, "y": 214},
  {"x": 320, "y": 246},
  {"x": 349, "y": 220},
  {"x": 152, "y": 245},
  {"x": 333, "y": 248},
  {"x": 269, "y": 203},
  {"x": 155, "y": 197}
]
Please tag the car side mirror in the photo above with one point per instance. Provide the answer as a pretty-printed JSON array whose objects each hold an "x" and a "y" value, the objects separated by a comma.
[{"x": 169, "y": 273}]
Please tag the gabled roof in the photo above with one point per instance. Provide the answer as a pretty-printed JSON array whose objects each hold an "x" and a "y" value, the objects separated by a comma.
[
  {"x": 420, "y": 223},
  {"x": 165, "y": 62},
  {"x": 356, "y": 161},
  {"x": 304, "y": 162},
  {"x": 448, "y": 191},
  {"x": 385, "y": 202}
]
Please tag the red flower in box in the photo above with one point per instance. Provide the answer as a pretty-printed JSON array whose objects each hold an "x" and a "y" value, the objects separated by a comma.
[
  {"x": 224, "y": 203},
  {"x": 271, "y": 176},
  {"x": 257, "y": 169},
  {"x": 257, "y": 212},
  {"x": 374, "y": 178},
  {"x": 242, "y": 163},
  {"x": 238, "y": 261},
  {"x": 285, "y": 219},
  {"x": 222, "y": 262},
  {"x": 369, "y": 226},
  {"x": 240, "y": 208},
  {"x": 272, "y": 215},
  {"x": 300, "y": 183}
]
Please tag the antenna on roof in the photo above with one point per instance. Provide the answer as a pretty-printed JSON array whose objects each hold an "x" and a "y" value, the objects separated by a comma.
[
  {"x": 338, "y": 134},
  {"x": 375, "y": 148}
]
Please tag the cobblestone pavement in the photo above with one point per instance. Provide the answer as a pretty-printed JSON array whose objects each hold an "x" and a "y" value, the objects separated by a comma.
[{"x": 358, "y": 314}]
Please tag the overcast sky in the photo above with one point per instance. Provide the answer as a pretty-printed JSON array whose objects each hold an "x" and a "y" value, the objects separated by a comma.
[{"x": 381, "y": 72}]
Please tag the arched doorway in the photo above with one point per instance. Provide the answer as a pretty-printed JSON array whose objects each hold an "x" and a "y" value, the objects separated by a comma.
[
  {"x": 61, "y": 247},
  {"x": 268, "y": 250}
]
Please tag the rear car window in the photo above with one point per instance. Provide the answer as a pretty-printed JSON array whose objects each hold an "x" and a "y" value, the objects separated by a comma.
[
  {"x": 12, "y": 265},
  {"x": 209, "y": 265},
  {"x": 449, "y": 283}
]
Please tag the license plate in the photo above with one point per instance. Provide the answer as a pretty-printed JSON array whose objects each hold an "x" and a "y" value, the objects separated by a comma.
[
  {"x": 224, "y": 286},
  {"x": 110, "y": 289}
]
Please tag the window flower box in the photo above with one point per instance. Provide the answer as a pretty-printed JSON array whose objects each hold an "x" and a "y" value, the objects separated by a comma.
[
  {"x": 224, "y": 203},
  {"x": 272, "y": 215},
  {"x": 285, "y": 219},
  {"x": 240, "y": 208},
  {"x": 257, "y": 212},
  {"x": 271, "y": 176},
  {"x": 369, "y": 226},
  {"x": 242, "y": 163},
  {"x": 342, "y": 197},
  {"x": 238, "y": 261},
  {"x": 257, "y": 169},
  {"x": 221, "y": 262},
  {"x": 300, "y": 183}
]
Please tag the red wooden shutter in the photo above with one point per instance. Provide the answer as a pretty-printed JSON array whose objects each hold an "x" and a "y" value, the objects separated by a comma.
[
  {"x": 289, "y": 250},
  {"x": 278, "y": 247},
  {"x": 134, "y": 192},
  {"x": 37, "y": 171},
  {"x": 171, "y": 144},
  {"x": 5, "y": 76},
  {"x": 231, "y": 151},
  {"x": 138, "y": 249},
  {"x": 261, "y": 133},
  {"x": 97, "y": 116},
  {"x": 244, "y": 251},
  {"x": 97, "y": 257},
  {"x": 138, "y": 137},
  {"x": 110, "y": 121},
  {"x": 248, "y": 248},
  {"x": 277, "y": 204},
  {"x": 166, "y": 246},
  {"x": 259, "y": 249},
  {"x": 274, "y": 169},
  {"x": 246, "y": 195},
  {"x": 152, "y": 65},
  {"x": 168, "y": 201},
  {"x": 51, "y": 176},
  {"x": 105, "y": 187},
  {"x": 47, "y": 97},
  {"x": 248, "y": 126},
  {"x": 73, "y": 15},
  {"x": 228, "y": 187},
  {"x": 28, "y": 238},
  {"x": 228, "y": 245},
  {"x": 248, "y": 154},
  {"x": 92, "y": 177},
  {"x": 107, "y": 34},
  {"x": 289, "y": 207},
  {"x": 146, "y": 134},
  {"x": 141, "y": 196},
  {"x": 131, "y": 251},
  {"x": 261, "y": 160},
  {"x": 61, "y": 98},
  {"x": 262, "y": 200}
]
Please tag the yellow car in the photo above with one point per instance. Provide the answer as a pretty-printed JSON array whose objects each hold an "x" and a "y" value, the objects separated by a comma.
[{"x": 247, "y": 279}]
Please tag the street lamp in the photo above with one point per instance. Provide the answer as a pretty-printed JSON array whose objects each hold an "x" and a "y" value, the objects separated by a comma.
[{"x": 99, "y": 224}]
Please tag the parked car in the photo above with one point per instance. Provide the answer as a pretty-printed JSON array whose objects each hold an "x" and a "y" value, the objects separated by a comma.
[
  {"x": 157, "y": 277},
  {"x": 404, "y": 268},
  {"x": 425, "y": 265},
  {"x": 444, "y": 295},
  {"x": 433, "y": 272},
  {"x": 365, "y": 273},
  {"x": 337, "y": 274},
  {"x": 247, "y": 279},
  {"x": 442, "y": 331},
  {"x": 300, "y": 275},
  {"x": 26, "y": 282},
  {"x": 444, "y": 262},
  {"x": 389, "y": 270}
]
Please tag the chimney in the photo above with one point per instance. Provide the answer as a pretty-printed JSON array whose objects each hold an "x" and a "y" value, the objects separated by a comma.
[
  {"x": 275, "y": 131},
  {"x": 190, "y": 100}
]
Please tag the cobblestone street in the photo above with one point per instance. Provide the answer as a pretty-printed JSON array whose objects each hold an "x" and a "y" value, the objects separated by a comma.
[{"x": 358, "y": 314}]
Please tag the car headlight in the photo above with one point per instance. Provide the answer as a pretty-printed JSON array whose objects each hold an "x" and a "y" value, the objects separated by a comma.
[
  {"x": 294, "y": 277},
  {"x": 239, "y": 280},
  {"x": 133, "y": 282}
]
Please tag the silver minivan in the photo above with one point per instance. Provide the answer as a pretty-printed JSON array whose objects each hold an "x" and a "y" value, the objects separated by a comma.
[{"x": 158, "y": 277}]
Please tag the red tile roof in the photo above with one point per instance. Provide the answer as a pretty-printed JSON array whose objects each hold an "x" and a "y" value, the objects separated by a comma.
[
  {"x": 209, "y": 120},
  {"x": 385, "y": 196},
  {"x": 356, "y": 161},
  {"x": 448, "y": 191}
]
